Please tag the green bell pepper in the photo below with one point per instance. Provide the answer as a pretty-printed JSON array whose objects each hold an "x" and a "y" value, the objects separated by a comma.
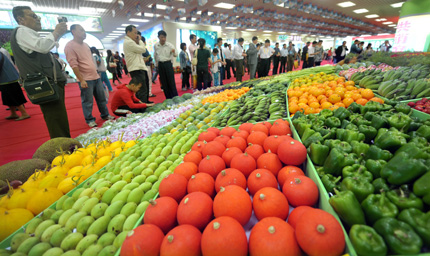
[
  {"x": 351, "y": 127},
  {"x": 368, "y": 131},
  {"x": 419, "y": 221},
  {"x": 341, "y": 113},
  {"x": 380, "y": 185},
  {"x": 414, "y": 151},
  {"x": 349, "y": 135},
  {"x": 400, "y": 121},
  {"x": 360, "y": 148},
  {"x": 357, "y": 170},
  {"x": 389, "y": 140},
  {"x": 347, "y": 207},
  {"x": 355, "y": 107},
  {"x": 399, "y": 236},
  {"x": 404, "y": 135},
  {"x": 379, "y": 122},
  {"x": 341, "y": 145},
  {"x": 358, "y": 119},
  {"x": 426, "y": 199},
  {"x": 301, "y": 126},
  {"x": 316, "y": 137},
  {"x": 375, "y": 167},
  {"x": 360, "y": 186},
  {"x": 419, "y": 141},
  {"x": 422, "y": 185},
  {"x": 377, "y": 207},
  {"x": 371, "y": 106},
  {"x": 318, "y": 153},
  {"x": 307, "y": 133},
  {"x": 369, "y": 115},
  {"x": 402, "y": 169},
  {"x": 336, "y": 160},
  {"x": 424, "y": 131},
  {"x": 376, "y": 153},
  {"x": 403, "y": 108},
  {"x": 403, "y": 198},
  {"x": 386, "y": 107},
  {"x": 326, "y": 113},
  {"x": 414, "y": 126},
  {"x": 330, "y": 182},
  {"x": 333, "y": 122},
  {"x": 344, "y": 123},
  {"x": 366, "y": 241}
]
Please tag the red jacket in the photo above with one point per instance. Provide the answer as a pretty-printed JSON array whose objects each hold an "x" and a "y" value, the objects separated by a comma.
[{"x": 125, "y": 96}]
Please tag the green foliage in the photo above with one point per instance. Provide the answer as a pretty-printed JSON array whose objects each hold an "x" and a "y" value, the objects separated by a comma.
[{"x": 7, "y": 47}]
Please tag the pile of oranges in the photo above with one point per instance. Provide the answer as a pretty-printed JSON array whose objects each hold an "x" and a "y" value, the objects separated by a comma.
[
  {"x": 227, "y": 95},
  {"x": 314, "y": 93}
]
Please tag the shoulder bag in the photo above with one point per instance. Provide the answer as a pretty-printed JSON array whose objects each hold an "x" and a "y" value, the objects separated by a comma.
[
  {"x": 40, "y": 89},
  {"x": 194, "y": 61},
  {"x": 112, "y": 63}
]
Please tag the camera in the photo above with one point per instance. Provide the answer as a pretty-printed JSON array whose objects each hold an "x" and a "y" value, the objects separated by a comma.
[{"x": 61, "y": 19}]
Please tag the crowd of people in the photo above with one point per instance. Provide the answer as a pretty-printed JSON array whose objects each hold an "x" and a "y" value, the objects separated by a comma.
[{"x": 202, "y": 66}]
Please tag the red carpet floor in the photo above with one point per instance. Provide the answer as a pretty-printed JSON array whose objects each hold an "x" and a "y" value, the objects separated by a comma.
[{"x": 20, "y": 139}]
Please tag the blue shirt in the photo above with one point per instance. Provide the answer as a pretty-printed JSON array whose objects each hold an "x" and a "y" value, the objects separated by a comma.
[{"x": 8, "y": 72}]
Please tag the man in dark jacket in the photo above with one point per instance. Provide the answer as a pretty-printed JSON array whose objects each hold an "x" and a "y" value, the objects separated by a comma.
[
  {"x": 341, "y": 52},
  {"x": 304, "y": 57}
]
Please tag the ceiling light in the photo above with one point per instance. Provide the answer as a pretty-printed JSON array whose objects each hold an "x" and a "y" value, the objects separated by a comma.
[
  {"x": 224, "y": 5},
  {"x": 120, "y": 28},
  {"x": 282, "y": 32},
  {"x": 250, "y": 29},
  {"x": 364, "y": 35},
  {"x": 159, "y": 6},
  {"x": 383, "y": 34},
  {"x": 392, "y": 25},
  {"x": 397, "y": 5},
  {"x": 230, "y": 28},
  {"x": 91, "y": 10},
  {"x": 116, "y": 31},
  {"x": 54, "y": 10},
  {"x": 382, "y": 19},
  {"x": 183, "y": 18},
  {"x": 372, "y": 16},
  {"x": 346, "y": 4},
  {"x": 267, "y": 31},
  {"x": 100, "y": 1},
  {"x": 148, "y": 14},
  {"x": 266, "y": 35},
  {"x": 200, "y": 13},
  {"x": 139, "y": 20},
  {"x": 124, "y": 25},
  {"x": 387, "y": 22},
  {"x": 361, "y": 10},
  {"x": 10, "y": 4}
]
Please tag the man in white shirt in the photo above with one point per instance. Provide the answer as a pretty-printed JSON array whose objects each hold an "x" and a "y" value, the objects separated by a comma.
[
  {"x": 221, "y": 56},
  {"x": 311, "y": 54},
  {"x": 238, "y": 59},
  {"x": 192, "y": 48},
  {"x": 78, "y": 54},
  {"x": 133, "y": 49},
  {"x": 229, "y": 60},
  {"x": 292, "y": 55},
  {"x": 163, "y": 54},
  {"x": 341, "y": 52},
  {"x": 32, "y": 55},
  {"x": 265, "y": 54},
  {"x": 385, "y": 47},
  {"x": 284, "y": 54}
]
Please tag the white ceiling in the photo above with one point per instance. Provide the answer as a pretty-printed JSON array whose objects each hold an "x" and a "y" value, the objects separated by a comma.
[{"x": 319, "y": 17}]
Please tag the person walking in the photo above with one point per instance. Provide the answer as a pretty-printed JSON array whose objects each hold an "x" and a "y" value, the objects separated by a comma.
[
  {"x": 276, "y": 59},
  {"x": 118, "y": 64},
  {"x": 229, "y": 61},
  {"x": 221, "y": 56},
  {"x": 341, "y": 52},
  {"x": 355, "y": 48},
  {"x": 305, "y": 55},
  {"x": 292, "y": 55},
  {"x": 203, "y": 60},
  {"x": 185, "y": 66},
  {"x": 216, "y": 67},
  {"x": 330, "y": 54},
  {"x": 284, "y": 55},
  {"x": 111, "y": 62},
  {"x": 238, "y": 59},
  {"x": 79, "y": 57},
  {"x": 319, "y": 53},
  {"x": 133, "y": 49},
  {"x": 192, "y": 49},
  {"x": 311, "y": 55},
  {"x": 148, "y": 62},
  {"x": 163, "y": 54},
  {"x": 385, "y": 47},
  {"x": 101, "y": 68},
  {"x": 252, "y": 53},
  {"x": 124, "y": 64},
  {"x": 265, "y": 54},
  {"x": 32, "y": 56},
  {"x": 11, "y": 92}
]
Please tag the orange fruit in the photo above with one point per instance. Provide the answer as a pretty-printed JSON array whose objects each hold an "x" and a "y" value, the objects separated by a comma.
[
  {"x": 361, "y": 101},
  {"x": 352, "y": 83},
  {"x": 319, "y": 98},
  {"x": 334, "y": 98},
  {"x": 367, "y": 94},
  {"x": 303, "y": 100},
  {"x": 377, "y": 100},
  {"x": 334, "y": 107},
  {"x": 340, "y": 104},
  {"x": 314, "y": 104},
  {"x": 356, "y": 96},
  {"x": 293, "y": 108},
  {"x": 350, "y": 88},
  {"x": 309, "y": 111},
  {"x": 326, "y": 105},
  {"x": 348, "y": 101}
]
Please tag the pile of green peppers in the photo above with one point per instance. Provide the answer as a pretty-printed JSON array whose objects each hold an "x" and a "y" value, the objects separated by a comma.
[{"x": 374, "y": 161}]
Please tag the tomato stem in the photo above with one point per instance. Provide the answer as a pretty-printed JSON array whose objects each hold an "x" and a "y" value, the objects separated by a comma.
[
  {"x": 262, "y": 197},
  {"x": 271, "y": 229},
  {"x": 216, "y": 225},
  {"x": 321, "y": 228}
]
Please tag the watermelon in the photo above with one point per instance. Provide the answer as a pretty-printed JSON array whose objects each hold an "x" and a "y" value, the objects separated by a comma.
[{"x": 187, "y": 96}]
